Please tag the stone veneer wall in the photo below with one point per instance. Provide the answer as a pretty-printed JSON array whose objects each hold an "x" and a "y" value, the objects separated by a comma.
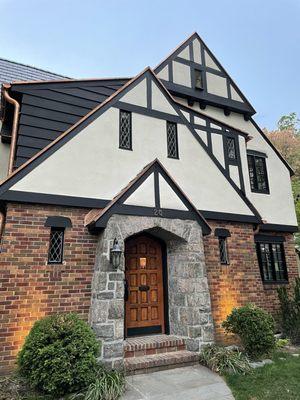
[
  {"x": 189, "y": 300},
  {"x": 240, "y": 282}
]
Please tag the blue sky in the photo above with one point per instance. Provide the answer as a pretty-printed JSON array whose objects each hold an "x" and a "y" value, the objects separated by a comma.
[{"x": 257, "y": 41}]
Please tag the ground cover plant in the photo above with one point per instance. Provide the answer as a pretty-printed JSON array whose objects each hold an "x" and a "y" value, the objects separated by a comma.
[{"x": 277, "y": 381}]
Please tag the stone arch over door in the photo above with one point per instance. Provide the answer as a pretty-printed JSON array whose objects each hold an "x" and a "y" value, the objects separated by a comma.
[{"x": 188, "y": 293}]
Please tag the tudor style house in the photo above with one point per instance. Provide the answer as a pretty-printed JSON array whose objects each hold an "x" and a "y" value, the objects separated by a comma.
[{"x": 150, "y": 205}]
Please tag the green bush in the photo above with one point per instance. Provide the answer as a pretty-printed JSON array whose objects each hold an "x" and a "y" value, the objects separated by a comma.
[
  {"x": 108, "y": 385},
  {"x": 255, "y": 327},
  {"x": 221, "y": 359},
  {"x": 290, "y": 312},
  {"x": 59, "y": 355}
]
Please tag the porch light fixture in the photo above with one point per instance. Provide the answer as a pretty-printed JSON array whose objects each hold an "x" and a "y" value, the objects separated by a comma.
[{"x": 115, "y": 254}]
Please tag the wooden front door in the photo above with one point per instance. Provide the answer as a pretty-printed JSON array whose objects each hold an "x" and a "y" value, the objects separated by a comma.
[{"x": 144, "y": 286}]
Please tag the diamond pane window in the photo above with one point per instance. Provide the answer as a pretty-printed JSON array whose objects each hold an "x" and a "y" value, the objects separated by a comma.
[
  {"x": 172, "y": 140},
  {"x": 55, "y": 255},
  {"x": 125, "y": 134},
  {"x": 223, "y": 250},
  {"x": 231, "y": 149},
  {"x": 258, "y": 174},
  {"x": 272, "y": 262}
]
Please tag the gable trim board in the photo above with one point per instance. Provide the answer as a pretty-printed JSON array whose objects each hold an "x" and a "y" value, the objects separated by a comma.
[
  {"x": 95, "y": 220},
  {"x": 95, "y": 113},
  {"x": 217, "y": 69},
  {"x": 85, "y": 202}
]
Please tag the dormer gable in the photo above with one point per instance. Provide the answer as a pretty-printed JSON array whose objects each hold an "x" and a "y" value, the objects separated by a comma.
[{"x": 193, "y": 72}]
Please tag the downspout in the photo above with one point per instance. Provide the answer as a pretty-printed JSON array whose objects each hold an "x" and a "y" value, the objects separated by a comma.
[
  {"x": 2, "y": 223},
  {"x": 13, "y": 145}
]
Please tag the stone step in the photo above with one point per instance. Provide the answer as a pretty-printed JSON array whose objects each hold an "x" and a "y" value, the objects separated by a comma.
[
  {"x": 155, "y": 344},
  {"x": 157, "y": 362}
]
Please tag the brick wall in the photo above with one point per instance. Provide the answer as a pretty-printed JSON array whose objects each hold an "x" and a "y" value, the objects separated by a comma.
[
  {"x": 31, "y": 289},
  {"x": 240, "y": 282}
]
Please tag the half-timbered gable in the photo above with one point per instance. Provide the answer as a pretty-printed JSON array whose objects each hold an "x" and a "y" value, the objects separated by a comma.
[{"x": 192, "y": 72}]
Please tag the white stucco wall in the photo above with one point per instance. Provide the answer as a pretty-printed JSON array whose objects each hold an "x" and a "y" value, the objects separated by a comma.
[
  {"x": 278, "y": 206},
  {"x": 92, "y": 165}
]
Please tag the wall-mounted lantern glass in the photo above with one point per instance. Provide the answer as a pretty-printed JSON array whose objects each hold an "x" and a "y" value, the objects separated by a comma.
[{"x": 115, "y": 254}]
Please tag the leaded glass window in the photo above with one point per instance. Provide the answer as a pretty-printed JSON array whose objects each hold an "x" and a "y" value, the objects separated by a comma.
[
  {"x": 258, "y": 174},
  {"x": 224, "y": 259},
  {"x": 56, "y": 244},
  {"x": 231, "y": 151},
  {"x": 172, "y": 143},
  {"x": 125, "y": 134},
  {"x": 272, "y": 262}
]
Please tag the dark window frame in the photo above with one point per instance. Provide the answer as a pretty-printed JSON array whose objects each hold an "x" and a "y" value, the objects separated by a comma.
[
  {"x": 197, "y": 70},
  {"x": 270, "y": 269},
  {"x": 232, "y": 139},
  {"x": 53, "y": 230},
  {"x": 174, "y": 156},
  {"x": 122, "y": 147},
  {"x": 223, "y": 250},
  {"x": 252, "y": 167}
]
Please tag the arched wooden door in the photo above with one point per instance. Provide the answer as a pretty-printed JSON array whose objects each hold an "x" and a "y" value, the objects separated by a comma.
[{"x": 144, "y": 293}]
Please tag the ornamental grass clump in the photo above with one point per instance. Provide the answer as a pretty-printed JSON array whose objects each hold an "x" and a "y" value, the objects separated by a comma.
[
  {"x": 224, "y": 360},
  {"x": 108, "y": 385},
  {"x": 59, "y": 355},
  {"x": 255, "y": 328}
]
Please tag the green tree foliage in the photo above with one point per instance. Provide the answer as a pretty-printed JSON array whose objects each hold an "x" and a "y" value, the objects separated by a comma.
[
  {"x": 59, "y": 355},
  {"x": 287, "y": 140},
  {"x": 289, "y": 122},
  {"x": 255, "y": 327},
  {"x": 290, "y": 312}
]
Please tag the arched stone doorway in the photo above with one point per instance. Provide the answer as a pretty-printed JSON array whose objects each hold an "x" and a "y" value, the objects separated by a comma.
[{"x": 188, "y": 299}]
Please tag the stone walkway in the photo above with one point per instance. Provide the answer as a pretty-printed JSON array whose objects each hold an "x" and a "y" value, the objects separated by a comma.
[{"x": 190, "y": 383}]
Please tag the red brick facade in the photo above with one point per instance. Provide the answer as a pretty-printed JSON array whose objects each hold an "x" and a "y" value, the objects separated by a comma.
[
  {"x": 31, "y": 289},
  {"x": 240, "y": 282}
]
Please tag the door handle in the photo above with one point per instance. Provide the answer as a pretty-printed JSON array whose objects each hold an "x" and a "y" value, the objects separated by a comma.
[{"x": 144, "y": 288}]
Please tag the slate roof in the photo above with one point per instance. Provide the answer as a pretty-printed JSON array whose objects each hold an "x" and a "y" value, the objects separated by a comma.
[{"x": 11, "y": 71}]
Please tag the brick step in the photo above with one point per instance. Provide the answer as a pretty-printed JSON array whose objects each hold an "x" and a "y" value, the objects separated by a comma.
[
  {"x": 155, "y": 344},
  {"x": 157, "y": 362}
]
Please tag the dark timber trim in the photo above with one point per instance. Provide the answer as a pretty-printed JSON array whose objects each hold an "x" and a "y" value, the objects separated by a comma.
[{"x": 268, "y": 238}]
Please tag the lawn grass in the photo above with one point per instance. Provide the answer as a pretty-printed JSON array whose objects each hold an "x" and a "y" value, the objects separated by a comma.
[{"x": 277, "y": 381}]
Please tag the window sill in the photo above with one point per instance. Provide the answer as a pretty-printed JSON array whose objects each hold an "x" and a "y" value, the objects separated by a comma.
[
  {"x": 274, "y": 284},
  {"x": 260, "y": 191}
]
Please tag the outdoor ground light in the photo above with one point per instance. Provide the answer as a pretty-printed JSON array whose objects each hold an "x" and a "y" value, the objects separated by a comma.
[{"x": 115, "y": 254}]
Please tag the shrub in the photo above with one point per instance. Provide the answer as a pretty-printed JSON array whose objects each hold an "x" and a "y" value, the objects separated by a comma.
[
  {"x": 221, "y": 359},
  {"x": 108, "y": 385},
  {"x": 290, "y": 312},
  {"x": 255, "y": 327},
  {"x": 59, "y": 355},
  {"x": 280, "y": 343}
]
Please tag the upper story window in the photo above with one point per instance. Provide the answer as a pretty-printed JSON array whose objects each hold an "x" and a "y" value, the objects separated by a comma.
[
  {"x": 231, "y": 150},
  {"x": 172, "y": 140},
  {"x": 125, "y": 133},
  {"x": 58, "y": 225},
  {"x": 271, "y": 259},
  {"x": 258, "y": 173},
  {"x": 198, "y": 79}
]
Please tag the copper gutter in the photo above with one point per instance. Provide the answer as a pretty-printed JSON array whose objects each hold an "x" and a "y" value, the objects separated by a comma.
[{"x": 14, "y": 128}]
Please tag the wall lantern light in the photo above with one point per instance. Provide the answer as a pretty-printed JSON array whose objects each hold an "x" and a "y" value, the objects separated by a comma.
[{"x": 115, "y": 254}]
